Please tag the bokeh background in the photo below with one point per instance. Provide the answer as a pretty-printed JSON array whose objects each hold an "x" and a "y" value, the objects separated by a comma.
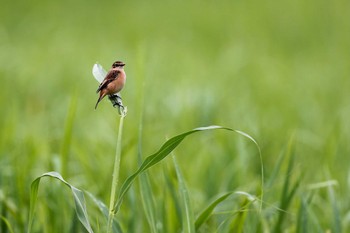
[{"x": 277, "y": 70}]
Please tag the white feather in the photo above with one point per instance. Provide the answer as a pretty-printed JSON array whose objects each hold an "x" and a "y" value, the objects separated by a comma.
[{"x": 98, "y": 72}]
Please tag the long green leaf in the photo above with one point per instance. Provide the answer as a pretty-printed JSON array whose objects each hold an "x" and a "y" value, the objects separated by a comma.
[
  {"x": 146, "y": 192},
  {"x": 148, "y": 201},
  {"x": 78, "y": 195},
  {"x": 171, "y": 208},
  {"x": 302, "y": 217},
  {"x": 289, "y": 189},
  {"x": 206, "y": 213},
  {"x": 151, "y": 160},
  {"x": 237, "y": 224},
  {"x": 68, "y": 129},
  {"x": 165, "y": 150},
  {"x": 261, "y": 164},
  {"x": 336, "y": 224},
  {"x": 188, "y": 224},
  {"x": 7, "y": 223}
]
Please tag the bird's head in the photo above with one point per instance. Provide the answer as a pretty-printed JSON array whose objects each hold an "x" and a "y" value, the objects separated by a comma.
[{"x": 118, "y": 64}]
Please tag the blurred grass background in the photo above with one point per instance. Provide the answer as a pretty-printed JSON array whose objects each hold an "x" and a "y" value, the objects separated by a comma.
[{"x": 272, "y": 69}]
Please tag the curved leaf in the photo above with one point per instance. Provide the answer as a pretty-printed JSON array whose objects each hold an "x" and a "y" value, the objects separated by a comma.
[
  {"x": 165, "y": 150},
  {"x": 79, "y": 200},
  {"x": 7, "y": 223},
  {"x": 151, "y": 160}
]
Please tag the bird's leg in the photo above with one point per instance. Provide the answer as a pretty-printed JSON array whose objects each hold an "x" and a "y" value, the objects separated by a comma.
[
  {"x": 118, "y": 96},
  {"x": 116, "y": 100}
]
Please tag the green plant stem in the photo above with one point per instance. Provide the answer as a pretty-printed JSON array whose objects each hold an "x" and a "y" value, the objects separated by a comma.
[{"x": 115, "y": 176}]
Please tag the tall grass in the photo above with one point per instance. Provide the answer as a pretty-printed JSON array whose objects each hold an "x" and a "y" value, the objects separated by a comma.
[
  {"x": 115, "y": 174},
  {"x": 272, "y": 69},
  {"x": 188, "y": 222}
]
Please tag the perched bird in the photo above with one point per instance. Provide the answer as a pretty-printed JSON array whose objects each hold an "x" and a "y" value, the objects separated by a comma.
[{"x": 113, "y": 82}]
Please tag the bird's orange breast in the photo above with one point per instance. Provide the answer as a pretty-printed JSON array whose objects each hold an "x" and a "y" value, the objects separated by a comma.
[{"x": 116, "y": 85}]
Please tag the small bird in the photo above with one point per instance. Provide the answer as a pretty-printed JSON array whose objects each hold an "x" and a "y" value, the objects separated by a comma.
[{"x": 113, "y": 82}]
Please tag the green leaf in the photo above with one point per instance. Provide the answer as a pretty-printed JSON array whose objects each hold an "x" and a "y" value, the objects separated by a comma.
[
  {"x": 7, "y": 223},
  {"x": 336, "y": 224},
  {"x": 188, "y": 225},
  {"x": 68, "y": 129},
  {"x": 302, "y": 217},
  {"x": 237, "y": 224},
  {"x": 261, "y": 164},
  {"x": 171, "y": 209},
  {"x": 148, "y": 201},
  {"x": 146, "y": 192},
  {"x": 151, "y": 160},
  {"x": 78, "y": 196},
  {"x": 289, "y": 189},
  {"x": 165, "y": 150},
  {"x": 206, "y": 213}
]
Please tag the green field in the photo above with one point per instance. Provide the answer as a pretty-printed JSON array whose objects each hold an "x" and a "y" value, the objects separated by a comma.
[{"x": 278, "y": 71}]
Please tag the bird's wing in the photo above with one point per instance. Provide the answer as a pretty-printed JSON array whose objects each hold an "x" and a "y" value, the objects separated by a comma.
[{"x": 112, "y": 75}]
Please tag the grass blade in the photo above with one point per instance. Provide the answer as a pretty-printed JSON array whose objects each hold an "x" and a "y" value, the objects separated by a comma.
[
  {"x": 68, "y": 129},
  {"x": 287, "y": 192},
  {"x": 302, "y": 217},
  {"x": 237, "y": 224},
  {"x": 151, "y": 160},
  {"x": 206, "y": 213},
  {"x": 171, "y": 207},
  {"x": 78, "y": 195},
  {"x": 33, "y": 199},
  {"x": 188, "y": 224},
  {"x": 261, "y": 164},
  {"x": 145, "y": 186},
  {"x": 148, "y": 201},
  {"x": 336, "y": 226},
  {"x": 7, "y": 223},
  {"x": 275, "y": 170}
]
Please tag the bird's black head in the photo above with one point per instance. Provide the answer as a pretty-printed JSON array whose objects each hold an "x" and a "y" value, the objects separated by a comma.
[{"x": 118, "y": 64}]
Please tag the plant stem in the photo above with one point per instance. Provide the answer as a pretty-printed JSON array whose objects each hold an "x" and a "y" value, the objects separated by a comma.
[{"x": 115, "y": 175}]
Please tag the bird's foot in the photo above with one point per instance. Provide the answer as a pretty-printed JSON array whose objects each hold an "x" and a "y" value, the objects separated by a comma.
[{"x": 116, "y": 101}]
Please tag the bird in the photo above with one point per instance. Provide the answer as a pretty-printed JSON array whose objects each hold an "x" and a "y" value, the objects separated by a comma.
[{"x": 113, "y": 82}]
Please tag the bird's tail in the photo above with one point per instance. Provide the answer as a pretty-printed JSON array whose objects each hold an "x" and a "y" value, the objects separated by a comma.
[{"x": 99, "y": 99}]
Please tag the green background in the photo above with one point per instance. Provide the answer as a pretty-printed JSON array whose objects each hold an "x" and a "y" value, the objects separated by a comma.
[{"x": 277, "y": 70}]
